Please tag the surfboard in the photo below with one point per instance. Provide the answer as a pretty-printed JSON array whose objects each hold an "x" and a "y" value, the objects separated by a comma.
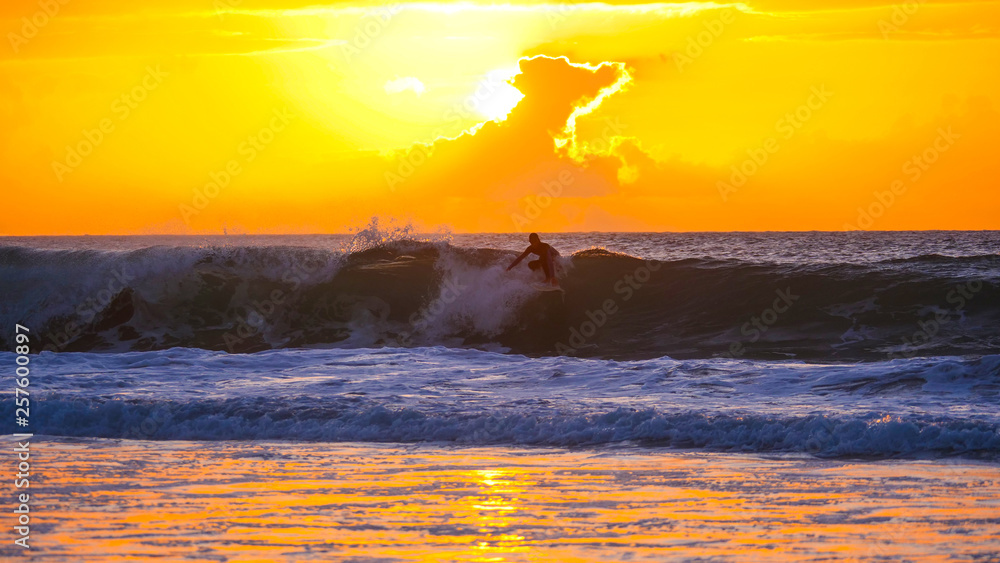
[{"x": 541, "y": 286}]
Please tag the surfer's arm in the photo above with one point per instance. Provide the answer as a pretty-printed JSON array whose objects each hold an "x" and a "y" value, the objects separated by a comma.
[{"x": 519, "y": 258}]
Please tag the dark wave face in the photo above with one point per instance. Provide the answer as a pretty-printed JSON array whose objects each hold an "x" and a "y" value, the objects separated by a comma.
[{"x": 245, "y": 299}]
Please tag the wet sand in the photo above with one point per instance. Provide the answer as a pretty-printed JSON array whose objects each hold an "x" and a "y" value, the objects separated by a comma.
[{"x": 113, "y": 500}]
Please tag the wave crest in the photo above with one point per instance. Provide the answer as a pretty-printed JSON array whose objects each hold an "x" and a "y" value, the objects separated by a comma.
[{"x": 398, "y": 291}]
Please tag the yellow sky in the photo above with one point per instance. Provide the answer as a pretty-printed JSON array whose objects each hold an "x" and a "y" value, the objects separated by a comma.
[{"x": 277, "y": 116}]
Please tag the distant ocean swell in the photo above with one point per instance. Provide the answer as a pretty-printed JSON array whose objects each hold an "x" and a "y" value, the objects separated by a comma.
[{"x": 246, "y": 299}]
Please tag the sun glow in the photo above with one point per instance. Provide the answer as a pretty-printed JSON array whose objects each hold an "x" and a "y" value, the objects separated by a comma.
[
  {"x": 647, "y": 108},
  {"x": 495, "y": 97}
]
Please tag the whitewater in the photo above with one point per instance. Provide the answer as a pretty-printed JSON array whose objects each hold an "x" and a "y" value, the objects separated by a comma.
[{"x": 916, "y": 407}]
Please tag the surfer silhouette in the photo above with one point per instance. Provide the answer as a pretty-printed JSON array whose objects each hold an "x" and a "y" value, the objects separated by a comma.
[{"x": 546, "y": 258}]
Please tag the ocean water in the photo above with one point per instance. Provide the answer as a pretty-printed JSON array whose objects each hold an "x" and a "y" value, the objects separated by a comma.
[
  {"x": 833, "y": 345},
  {"x": 145, "y": 500},
  {"x": 389, "y": 396}
]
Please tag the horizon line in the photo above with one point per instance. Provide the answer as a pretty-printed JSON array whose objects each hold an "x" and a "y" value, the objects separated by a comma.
[{"x": 525, "y": 233}]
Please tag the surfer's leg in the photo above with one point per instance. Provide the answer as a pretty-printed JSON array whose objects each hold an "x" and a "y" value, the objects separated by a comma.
[
  {"x": 535, "y": 264},
  {"x": 547, "y": 268}
]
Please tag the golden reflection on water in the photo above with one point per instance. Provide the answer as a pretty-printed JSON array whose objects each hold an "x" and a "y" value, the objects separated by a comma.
[
  {"x": 98, "y": 500},
  {"x": 497, "y": 505}
]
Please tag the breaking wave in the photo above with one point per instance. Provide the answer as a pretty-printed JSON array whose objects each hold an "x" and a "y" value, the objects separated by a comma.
[
  {"x": 844, "y": 436},
  {"x": 410, "y": 293}
]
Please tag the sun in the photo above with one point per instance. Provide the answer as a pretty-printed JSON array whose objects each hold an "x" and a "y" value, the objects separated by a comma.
[{"x": 495, "y": 96}]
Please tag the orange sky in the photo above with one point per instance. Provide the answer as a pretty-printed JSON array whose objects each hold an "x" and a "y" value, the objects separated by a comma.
[{"x": 278, "y": 116}]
